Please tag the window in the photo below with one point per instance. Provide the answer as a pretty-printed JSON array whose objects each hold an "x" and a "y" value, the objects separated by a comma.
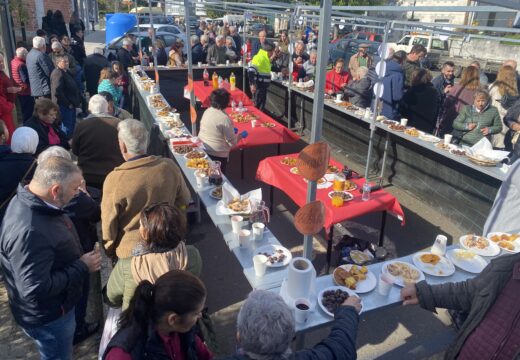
[
  {"x": 404, "y": 41},
  {"x": 169, "y": 40},
  {"x": 439, "y": 44},
  {"x": 420, "y": 41},
  {"x": 170, "y": 29}
]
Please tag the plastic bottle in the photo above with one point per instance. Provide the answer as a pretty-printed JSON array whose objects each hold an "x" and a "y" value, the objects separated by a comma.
[
  {"x": 220, "y": 82},
  {"x": 205, "y": 76},
  {"x": 232, "y": 82},
  {"x": 366, "y": 192},
  {"x": 233, "y": 105},
  {"x": 214, "y": 79}
]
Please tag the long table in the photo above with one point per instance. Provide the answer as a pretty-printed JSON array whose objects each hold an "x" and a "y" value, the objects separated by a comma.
[
  {"x": 202, "y": 93},
  {"x": 451, "y": 184}
]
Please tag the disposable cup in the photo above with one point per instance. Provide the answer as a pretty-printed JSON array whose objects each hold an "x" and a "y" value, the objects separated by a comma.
[
  {"x": 404, "y": 121},
  {"x": 239, "y": 62},
  {"x": 339, "y": 97},
  {"x": 236, "y": 223},
  {"x": 385, "y": 284},
  {"x": 200, "y": 177},
  {"x": 258, "y": 231},
  {"x": 447, "y": 138},
  {"x": 227, "y": 62},
  {"x": 302, "y": 308},
  {"x": 200, "y": 63},
  {"x": 253, "y": 123},
  {"x": 243, "y": 237},
  {"x": 439, "y": 246},
  {"x": 260, "y": 264}
]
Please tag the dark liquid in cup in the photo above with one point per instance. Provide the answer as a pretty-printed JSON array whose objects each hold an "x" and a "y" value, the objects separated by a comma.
[
  {"x": 302, "y": 307},
  {"x": 215, "y": 180}
]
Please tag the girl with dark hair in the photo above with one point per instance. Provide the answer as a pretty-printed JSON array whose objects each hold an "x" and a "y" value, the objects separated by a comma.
[
  {"x": 163, "y": 229},
  {"x": 58, "y": 24},
  {"x": 75, "y": 22},
  {"x": 160, "y": 321},
  {"x": 217, "y": 129},
  {"x": 121, "y": 81}
]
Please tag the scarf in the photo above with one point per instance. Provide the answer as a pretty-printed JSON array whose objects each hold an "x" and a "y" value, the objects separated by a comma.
[
  {"x": 53, "y": 138},
  {"x": 150, "y": 264}
]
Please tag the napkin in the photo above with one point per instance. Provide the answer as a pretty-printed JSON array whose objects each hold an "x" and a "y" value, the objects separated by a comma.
[
  {"x": 229, "y": 193},
  {"x": 484, "y": 149}
]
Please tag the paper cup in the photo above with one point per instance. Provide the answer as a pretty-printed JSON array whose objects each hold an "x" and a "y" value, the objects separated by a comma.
[
  {"x": 439, "y": 246},
  {"x": 258, "y": 231},
  {"x": 200, "y": 177},
  {"x": 385, "y": 284},
  {"x": 260, "y": 264},
  {"x": 404, "y": 121},
  {"x": 227, "y": 62},
  {"x": 339, "y": 97},
  {"x": 243, "y": 238},
  {"x": 447, "y": 138},
  {"x": 253, "y": 123},
  {"x": 200, "y": 63},
  {"x": 236, "y": 223},
  {"x": 239, "y": 62},
  {"x": 302, "y": 308}
]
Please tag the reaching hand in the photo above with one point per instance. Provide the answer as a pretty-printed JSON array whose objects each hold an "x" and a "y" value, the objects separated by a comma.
[
  {"x": 353, "y": 301},
  {"x": 92, "y": 260},
  {"x": 409, "y": 295}
]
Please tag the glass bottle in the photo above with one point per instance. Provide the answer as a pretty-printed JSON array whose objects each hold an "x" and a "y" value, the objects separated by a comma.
[
  {"x": 215, "y": 173},
  {"x": 205, "y": 76},
  {"x": 366, "y": 192}
]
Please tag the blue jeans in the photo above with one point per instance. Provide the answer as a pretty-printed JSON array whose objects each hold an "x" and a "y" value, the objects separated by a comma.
[
  {"x": 68, "y": 120},
  {"x": 54, "y": 339}
]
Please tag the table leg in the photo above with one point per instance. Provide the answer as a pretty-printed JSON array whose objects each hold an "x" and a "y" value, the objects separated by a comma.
[
  {"x": 329, "y": 247},
  {"x": 302, "y": 114},
  {"x": 242, "y": 164},
  {"x": 382, "y": 229},
  {"x": 199, "y": 217},
  {"x": 271, "y": 199},
  {"x": 278, "y": 149}
]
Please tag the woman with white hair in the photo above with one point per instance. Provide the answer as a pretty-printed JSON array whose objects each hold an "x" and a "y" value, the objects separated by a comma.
[
  {"x": 265, "y": 329},
  {"x": 359, "y": 91},
  {"x": 21, "y": 79},
  {"x": 17, "y": 164}
]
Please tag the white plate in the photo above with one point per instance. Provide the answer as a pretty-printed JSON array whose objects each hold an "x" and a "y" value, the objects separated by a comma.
[
  {"x": 362, "y": 286},
  {"x": 515, "y": 243},
  {"x": 294, "y": 170},
  {"x": 320, "y": 296},
  {"x": 326, "y": 184},
  {"x": 473, "y": 265},
  {"x": 349, "y": 195},
  {"x": 491, "y": 250},
  {"x": 270, "y": 249},
  {"x": 399, "y": 279},
  {"x": 205, "y": 155},
  {"x": 213, "y": 196},
  {"x": 429, "y": 138},
  {"x": 443, "y": 268},
  {"x": 388, "y": 120}
]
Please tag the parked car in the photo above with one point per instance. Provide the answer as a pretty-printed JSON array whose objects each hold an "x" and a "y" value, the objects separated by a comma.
[
  {"x": 345, "y": 48},
  {"x": 174, "y": 29},
  {"x": 254, "y": 29},
  {"x": 157, "y": 19},
  {"x": 362, "y": 35},
  {"x": 166, "y": 37}
]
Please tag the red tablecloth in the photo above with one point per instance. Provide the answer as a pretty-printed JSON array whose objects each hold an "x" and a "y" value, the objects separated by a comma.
[
  {"x": 203, "y": 92},
  {"x": 260, "y": 135},
  {"x": 273, "y": 172}
]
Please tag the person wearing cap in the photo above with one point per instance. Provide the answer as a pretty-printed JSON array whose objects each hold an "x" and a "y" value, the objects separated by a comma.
[
  {"x": 259, "y": 73},
  {"x": 361, "y": 58}
]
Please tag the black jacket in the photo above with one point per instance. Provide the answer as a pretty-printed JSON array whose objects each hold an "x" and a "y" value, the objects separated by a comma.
[
  {"x": 420, "y": 105},
  {"x": 92, "y": 67},
  {"x": 162, "y": 57},
  {"x": 340, "y": 344},
  {"x": 43, "y": 134},
  {"x": 78, "y": 49},
  {"x": 64, "y": 89},
  {"x": 198, "y": 54},
  {"x": 359, "y": 92},
  {"x": 85, "y": 212},
  {"x": 12, "y": 167},
  {"x": 125, "y": 58},
  {"x": 39, "y": 252}
]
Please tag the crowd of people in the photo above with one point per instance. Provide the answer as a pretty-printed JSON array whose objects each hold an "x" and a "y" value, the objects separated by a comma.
[{"x": 50, "y": 205}]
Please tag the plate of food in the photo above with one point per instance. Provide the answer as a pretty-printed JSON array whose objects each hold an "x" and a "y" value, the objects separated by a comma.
[
  {"x": 508, "y": 242},
  {"x": 404, "y": 273},
  {"x": 433, "y": 264},
  {"x": 397, "y": 127},
  {"x": 467, "y": 260},
  {"x": 389, "y": 122},
  {"x": 443, "y": 146},
  {"x": 331, "y": 298},
  {"x": 289, "y": 161},
  {"x": 268, "y": 124},
  {"x": 357, "y": 278},
  {"x": 479, "y": 245},
  {"x": 332, "y": 169},
  {"x": 216, "y": 193},
  {"x": 350, "y": 186},
  {"x": 345, "y": 194},
  {"x": 277, "y": 255},
  {"x": 429, "y": 138},
  {"x": 197, "y": 163},
  {"x": 322, "y": 183},
  {"x": 294, "y": 170},
  {"x": 182, "y": 149},
  {"x": 413, "y": 132},
  {"x": 458, "y": 151},
  {"x": 195, "y": 154},
  {"x": 240, "y": 206}
]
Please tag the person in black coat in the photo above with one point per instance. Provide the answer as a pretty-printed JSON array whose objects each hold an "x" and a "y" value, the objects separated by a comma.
[
  {"x": 47, "y": 23},
  {"x": 421, "y": 103},
  {"x": 124, "y": 55},
  {"x": 197, "y": 51},
  {"x": 92, "y": 67},
  {"x": 359, "y": 91},
  {"x": 265, "y": 329},
  {"x": 75, "y": 22},
  {"x": 58, "y": 24},
  {"x": 78, "y": 46},
  {"x": 17, "y": 164},
  {"x": 43, "y": 122}
]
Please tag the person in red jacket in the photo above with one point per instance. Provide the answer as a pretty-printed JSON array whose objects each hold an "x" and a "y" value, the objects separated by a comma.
[
  {"x": 21, "y": 79},
  {"x": 337, "y": 78},
  {"x": 7, "y": 97}
]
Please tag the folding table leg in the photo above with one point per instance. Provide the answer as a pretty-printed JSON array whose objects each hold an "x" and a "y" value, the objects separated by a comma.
[
  {"x": 329, "y": 247},
  {"x": 271, "y": 199},
  {"x": 382, "y": 229},
  {"x": 199, "y": 217},
  {"x": 242, "y": 164}
]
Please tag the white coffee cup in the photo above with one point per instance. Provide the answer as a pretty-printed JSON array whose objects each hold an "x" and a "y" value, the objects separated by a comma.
[
  {"x": 200, "y": 177},
  {"x": 260, "y": 264},
  {"x": 447, "y": 138},
  {"x": 236, "y": 223},
  {"x": 227, "y": 62},
  {"x": 200, "y": 63},
  {"x": 239, "y": 62},
  {"x": 176, "y": 116},
  {"x": 253, "y": 123},
  {"x": 404, "y": 121},
  {"x": 302, "y": 308},
  {"x": 243, "y": 237},
  {"x": 385, "y": 284},
  {"x": 258, "y": 231},
  {"x": 439, "y": 246},
  {"x": 339, "y": 97}
]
